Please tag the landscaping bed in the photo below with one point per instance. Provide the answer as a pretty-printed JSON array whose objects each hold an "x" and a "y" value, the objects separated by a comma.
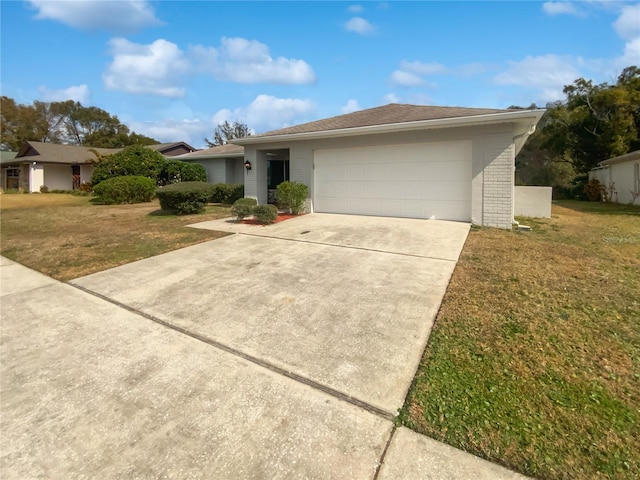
[
  {"x": 280, "y": 218},
  {"x": 534, "y": 359}
]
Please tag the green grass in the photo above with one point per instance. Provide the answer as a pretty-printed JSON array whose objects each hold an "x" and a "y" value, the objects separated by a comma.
[
  {"x": 67, "y": 236},
  {"x": 534, "y": 359}
]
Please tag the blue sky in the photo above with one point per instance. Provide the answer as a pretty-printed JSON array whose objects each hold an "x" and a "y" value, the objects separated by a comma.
[{"x": 173, "y": 70}]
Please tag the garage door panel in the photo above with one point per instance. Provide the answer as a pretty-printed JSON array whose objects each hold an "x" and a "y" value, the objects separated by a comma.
[{"x": 418, "y": 180}]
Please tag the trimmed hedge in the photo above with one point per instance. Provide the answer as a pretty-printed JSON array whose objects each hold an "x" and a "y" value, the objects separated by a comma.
[
  {"x": 176, "y": 171},
  {"x": 292, "y": 195},
  {"x": 127, "y": 189},
  {"x": 265, "y": 213},
  {"x": 227, "y": 193},
  {"x": 243, "y": 207},
  {"x": 185, "y": 198}
]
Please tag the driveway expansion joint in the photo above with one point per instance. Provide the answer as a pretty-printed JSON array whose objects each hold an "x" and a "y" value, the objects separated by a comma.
[
  {"x": 348, "y": 246},
  {"x": 384, "y": 452},
  {"x": 257, "y": 361}
]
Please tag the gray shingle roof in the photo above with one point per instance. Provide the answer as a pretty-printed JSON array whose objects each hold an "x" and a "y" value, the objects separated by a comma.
[
  {"x": 68, "y": 154},
  {"x": 219, "y": 151},
  {"x": 385, "y": 115},
  {"x": 56, "y": 153}
]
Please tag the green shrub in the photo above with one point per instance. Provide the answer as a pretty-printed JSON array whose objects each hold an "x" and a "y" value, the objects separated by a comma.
[
  {"x": 135, "y": 160},
  {"x": 84, "y": 187},
  {"x": 292, "y": 195},
  {"x": 265, "y": 213},
  {"x": 127, "y": 189},
  {"x": 227, "y": 193},
  {"x": 176, "y": 171},
  {"x": 594, "y": 190},
  {"x": 243, "y": 207},
  {"x": 44, "y": 189},
  {"x": 184, "y": 198}
]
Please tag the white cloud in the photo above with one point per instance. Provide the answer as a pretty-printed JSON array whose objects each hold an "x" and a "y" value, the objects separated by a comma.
[
  {"x": 628, "y": 23},
  {"x": 546, "y": 73},
  {"x": 421, "y": 68},
  {"x": 631, "y": 54},
  {"x": 355, "y": 8},
  {"x": 391, "y": 98},
  {"x": 267, "y": 112},
  {"x": 542, "y": 71},
  {"x": 413, "y": 99},
  {"x": 122, "y": 16},
  {"x": 248, "y": 61},
  {"x": 351, "y": 106},
  {"x": 79, "y": 93},
  {"x": 191, "y": 131},
  {"x": 153, "y": 69},
  {"x": 559, "y": 8},
  {"x": 359, "y": 25},
  {"x": 405, "y": 79}
]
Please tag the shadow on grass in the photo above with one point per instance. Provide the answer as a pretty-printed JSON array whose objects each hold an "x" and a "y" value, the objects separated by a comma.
[{"x": 599, "y": 207}]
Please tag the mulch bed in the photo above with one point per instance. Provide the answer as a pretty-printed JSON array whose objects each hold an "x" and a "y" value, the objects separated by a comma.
[{"x": 281, "y": 218}]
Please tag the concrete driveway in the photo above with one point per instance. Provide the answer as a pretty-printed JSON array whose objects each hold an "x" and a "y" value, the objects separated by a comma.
[
  {"x": 279, "y": 352},
  {"x": 343, "y": 302}
]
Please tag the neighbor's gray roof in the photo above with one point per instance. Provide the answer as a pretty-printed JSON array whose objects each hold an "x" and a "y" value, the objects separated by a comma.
[
  {"x": 69, "y": 154},
  {"x": 385, "y": 115},
  {"x": 56, "y": 153},
  {"x": 221, "y": 151},
  {"x": 635, "y": 155},
  {"x": 161, "y": 147},
  {"x": 7, "y": 157}
]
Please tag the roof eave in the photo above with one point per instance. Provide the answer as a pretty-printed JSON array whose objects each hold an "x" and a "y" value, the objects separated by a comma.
[
  {"x": 486, "y": 119},
  {"x": 627, "y": 157},
  {"x": 190, "y": 156}
]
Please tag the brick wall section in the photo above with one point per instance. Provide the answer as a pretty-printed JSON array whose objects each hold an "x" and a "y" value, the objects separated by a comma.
[{"x": 498, "y": 182}]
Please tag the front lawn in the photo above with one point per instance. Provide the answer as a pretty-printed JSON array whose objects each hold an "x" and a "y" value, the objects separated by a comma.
[
  {"x": 65, "y": 237},
  {"x": 534, "y": 359}
]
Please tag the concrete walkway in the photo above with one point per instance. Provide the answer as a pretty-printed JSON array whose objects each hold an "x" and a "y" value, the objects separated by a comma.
[{"x": 97, "y": 385}]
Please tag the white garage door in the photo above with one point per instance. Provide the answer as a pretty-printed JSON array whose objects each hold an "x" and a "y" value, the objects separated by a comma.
[{"x": 427, "y": 180}]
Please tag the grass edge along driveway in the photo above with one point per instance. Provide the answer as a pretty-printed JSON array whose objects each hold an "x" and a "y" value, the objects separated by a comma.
[{"x": 534, "y": 359}]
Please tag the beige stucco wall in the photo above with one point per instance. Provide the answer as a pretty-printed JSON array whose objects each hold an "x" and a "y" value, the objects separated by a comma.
[
  {"x": 533, "y": 201},
  {"x": 492, "y": 160},
  {"x": 36, "y": 177},
  {"x": 624, "y": 178},
  {"x": 58, "y": 177},
  {"x": 85, "y": 173}
]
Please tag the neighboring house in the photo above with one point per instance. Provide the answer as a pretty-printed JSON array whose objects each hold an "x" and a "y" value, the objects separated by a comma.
[
  {"x": 62, "y": 167},
  {"x": 398, "y": 160},
  {"x": 224, "y": 164},
  {"x": 172, "y": 149},
  {"x": 10, "y": 175},
  {"x": 620, "y": 176}
]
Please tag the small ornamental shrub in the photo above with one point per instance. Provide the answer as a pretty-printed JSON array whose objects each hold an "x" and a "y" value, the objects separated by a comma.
[
  {"x": 84, "y": 187},
  {"x": 44, "y": 189},
  {"x": 127, "y": 189},
  {"x": 243, "y": 207},
  {"x": 227, "y": 193},
  {"x": 292, "y": 195},
  {"x": 265, "y": 213},
  {"x": 594, "y": 190},
  {"x": 176, "y": 171},
  {"x": 184, "y": 198},
  {"x": 134, "y": 160}
]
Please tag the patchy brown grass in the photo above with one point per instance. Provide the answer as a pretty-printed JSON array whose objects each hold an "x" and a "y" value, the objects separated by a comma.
[
  {"x": 66, "y": 237},
  {"x": 534, "y": 360}
]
